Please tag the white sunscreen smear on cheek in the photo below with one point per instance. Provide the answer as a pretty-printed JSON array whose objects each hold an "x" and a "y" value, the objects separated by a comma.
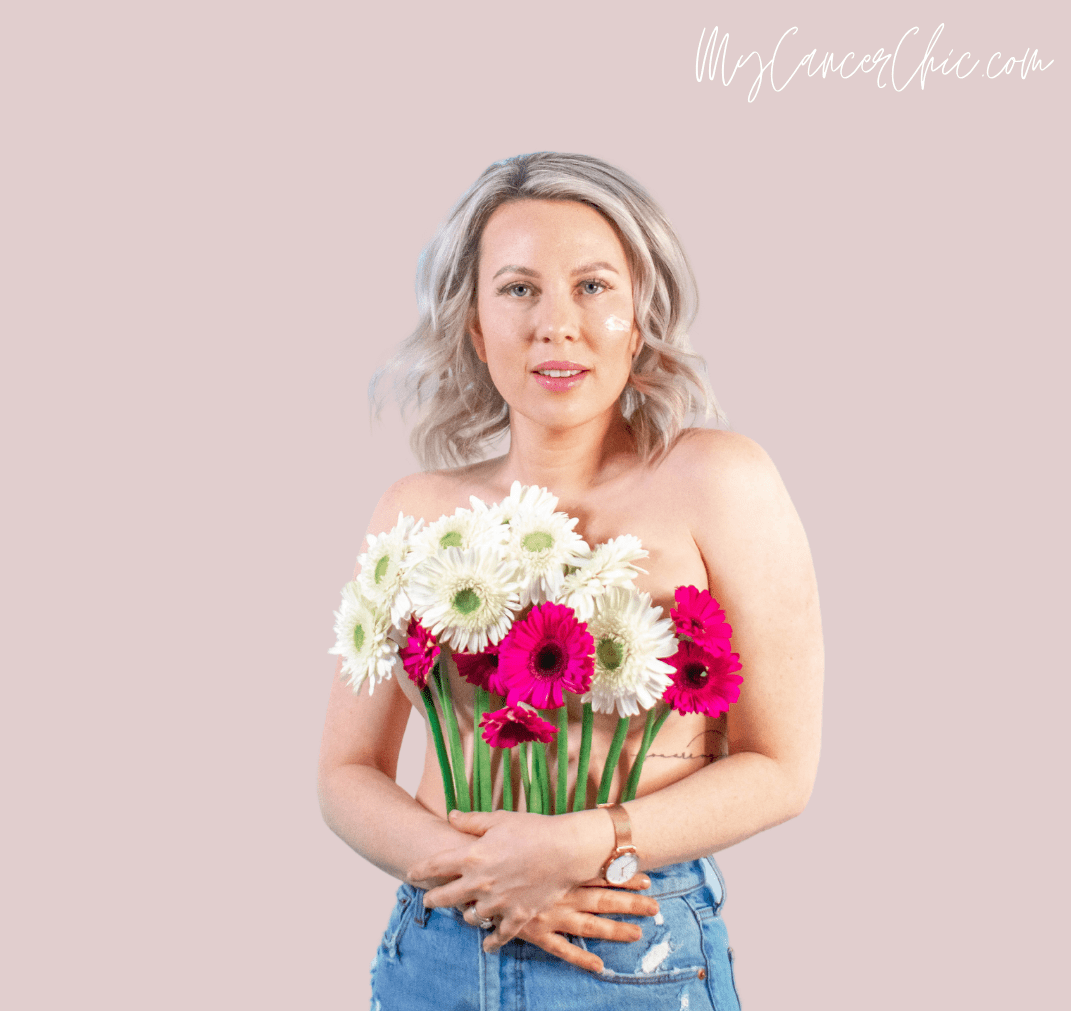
[{"x": 613, "y": 323}]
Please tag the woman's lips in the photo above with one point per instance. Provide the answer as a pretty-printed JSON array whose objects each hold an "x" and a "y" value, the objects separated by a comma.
[{"x": 562, "y": 375}]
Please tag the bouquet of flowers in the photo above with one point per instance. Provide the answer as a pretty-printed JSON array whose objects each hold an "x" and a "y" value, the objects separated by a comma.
[{"x": 531, "y": 614}]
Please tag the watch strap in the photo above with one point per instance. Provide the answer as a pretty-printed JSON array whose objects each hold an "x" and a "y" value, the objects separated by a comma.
[
  {"x": 622, "y": 827},
  {"x": 622, "y": 835}
]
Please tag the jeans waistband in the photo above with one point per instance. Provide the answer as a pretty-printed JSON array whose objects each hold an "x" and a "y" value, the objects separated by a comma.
[
  {"x": 678, "y": 879},
  {"x": 673, "y": 879}
]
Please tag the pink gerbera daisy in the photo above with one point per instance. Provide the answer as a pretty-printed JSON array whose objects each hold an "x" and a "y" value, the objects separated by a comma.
[
  {"x": 699, "y": 617},
  {"x": 419, "y": 653},
  {"x": 704, "y": 682},
  {"x": 546, "y": 654},
  {"x": 481, "y": 669},
  {"x": 514, "y": 725}
]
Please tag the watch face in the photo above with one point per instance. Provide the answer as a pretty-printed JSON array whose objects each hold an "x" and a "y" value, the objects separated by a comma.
[{"x": 622, "y": 868}]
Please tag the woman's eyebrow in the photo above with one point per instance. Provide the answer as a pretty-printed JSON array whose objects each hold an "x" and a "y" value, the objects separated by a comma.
[
  {"x": 513, "y": 268},
  {"x": 584, "y": 268}
]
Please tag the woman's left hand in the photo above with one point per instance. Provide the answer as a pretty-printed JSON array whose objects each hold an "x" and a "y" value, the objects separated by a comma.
[{"x": 518, "y": 866}]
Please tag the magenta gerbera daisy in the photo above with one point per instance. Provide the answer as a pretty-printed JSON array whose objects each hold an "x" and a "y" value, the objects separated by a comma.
[
  {"x": 704, "y": 682},
  {"x": 512, "y": 725},
  {"x": 546, "y": 654},
  {"x": 699, "y": 617},
  {"x": 419, "y": 653},
  {"x": 481, "y": 669}
]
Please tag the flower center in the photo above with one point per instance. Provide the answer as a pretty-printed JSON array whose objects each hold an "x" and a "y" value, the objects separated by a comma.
[
  {"x": 548, "y": 661},
  {"x": 538, "y": 540},
  {"x": 465, "y": 601},
  {"x": 381, "y": 568},
  {"x": 609, "y": 653},
  {"x": 695, "y": 674},
  {"x": 452, "y": 539},
  {"x": 358, "y": 637}
]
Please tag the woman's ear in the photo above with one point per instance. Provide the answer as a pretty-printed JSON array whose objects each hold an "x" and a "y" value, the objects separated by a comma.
[
  {"x": 476, "y": 335},
  {"x": 635, "y": 342}
]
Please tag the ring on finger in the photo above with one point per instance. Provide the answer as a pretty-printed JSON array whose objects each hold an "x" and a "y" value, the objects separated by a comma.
[{"x": 481, "y": 921}]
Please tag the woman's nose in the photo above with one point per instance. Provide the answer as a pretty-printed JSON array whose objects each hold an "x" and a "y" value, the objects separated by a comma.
[{"x": 559, "y": 320}]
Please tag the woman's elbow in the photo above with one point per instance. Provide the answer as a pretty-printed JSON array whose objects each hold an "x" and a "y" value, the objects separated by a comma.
[{"x": 799, "y": 787}]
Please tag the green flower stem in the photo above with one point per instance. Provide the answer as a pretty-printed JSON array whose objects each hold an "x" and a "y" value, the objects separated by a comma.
[
  {"x": 537, "y": 797},
  {"x": 580, "y": 800},
  {"x": 440, "y": 748},
  {"x": 650, "y": 730},
  {"x": 537, "y": 779},
  {"x": 648, "y": 739},
  {"x": 637, "y": 763},
  {"x": 561, "y": 798},
  {"x": 477, "y": 792},
  {"x": 611, "y": 759},
  {"x": 482, "y": 752},
  {"x": 539, "y": 753},
  {"x": 475, "y": 779},
  {"x": 507, "y": 779},
  {"x": 526, "y": 780},
  {"x": 457, "y": 756}
]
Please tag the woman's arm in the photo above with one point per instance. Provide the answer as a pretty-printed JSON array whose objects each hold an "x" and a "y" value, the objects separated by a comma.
[
  {"x": 759, "y": 569},
  {"x": 364, "y": 806},
  {"x": 359, "y": 798}
]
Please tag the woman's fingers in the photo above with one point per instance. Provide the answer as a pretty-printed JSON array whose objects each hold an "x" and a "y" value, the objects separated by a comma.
[
  {"x": 454, "y": 893},
  {"x": 603, "y": 929},
  {"x": 445, "y": 865},
  {"x": 637, "y": 883},
  {"x": 611, "y": 900},
  {"x": 427, "y": 884},
  {"x": 472, "y": 822},
  {"x": 555, "y": 944}
]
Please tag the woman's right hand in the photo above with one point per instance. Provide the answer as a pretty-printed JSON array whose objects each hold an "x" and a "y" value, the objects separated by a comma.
[{"x": 583, "y": 912}]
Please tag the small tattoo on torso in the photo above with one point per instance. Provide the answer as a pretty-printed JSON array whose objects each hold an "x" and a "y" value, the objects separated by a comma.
[{"x": 693, "y": 753}]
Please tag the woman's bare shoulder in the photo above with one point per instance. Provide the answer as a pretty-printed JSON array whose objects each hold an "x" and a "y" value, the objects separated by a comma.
[
  {"x": 714, "y": 455},
  {"x": 427, "y": 495},
  {"x": 737, "y": 501}
]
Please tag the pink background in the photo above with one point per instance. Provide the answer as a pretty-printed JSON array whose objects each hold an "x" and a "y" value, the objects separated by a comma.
[{"x": 209, "y": 225}]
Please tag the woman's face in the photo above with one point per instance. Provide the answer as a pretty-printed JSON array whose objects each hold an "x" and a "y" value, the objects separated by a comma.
[{"x": 554, "y": 319}]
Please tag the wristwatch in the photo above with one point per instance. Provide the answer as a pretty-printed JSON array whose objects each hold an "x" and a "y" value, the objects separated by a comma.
[{"x": 623, "y": 862}]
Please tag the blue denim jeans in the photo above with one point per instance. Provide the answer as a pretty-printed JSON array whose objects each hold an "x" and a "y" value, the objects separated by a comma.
[{"x": 433, "y": 959}]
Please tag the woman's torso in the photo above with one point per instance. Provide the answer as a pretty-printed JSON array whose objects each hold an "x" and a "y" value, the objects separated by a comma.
[{"x": 654, "y": 504}]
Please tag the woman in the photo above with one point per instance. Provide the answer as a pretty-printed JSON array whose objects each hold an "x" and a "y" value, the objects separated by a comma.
[{"x": 555, "y": 302}]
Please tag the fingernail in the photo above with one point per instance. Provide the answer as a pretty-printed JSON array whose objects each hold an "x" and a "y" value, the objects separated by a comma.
[{"x": 646, "y": 882}]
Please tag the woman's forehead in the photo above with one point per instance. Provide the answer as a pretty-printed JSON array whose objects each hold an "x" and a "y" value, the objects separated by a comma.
[{"x": 556, "y": 229}]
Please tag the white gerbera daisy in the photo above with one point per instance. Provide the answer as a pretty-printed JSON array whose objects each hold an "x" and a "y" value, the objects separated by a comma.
[
  {"x": 541, "y": 545},
  {"x": 467, "y": 598},
  {"x": 608, "y": 565},
  {"x": 629, "y": 638},
  {"x": 383, "y": 569},
  {"x": 524, "y": 498},
  {"x": 369, "y": 652},
  {"x": 466, "y": 529}
]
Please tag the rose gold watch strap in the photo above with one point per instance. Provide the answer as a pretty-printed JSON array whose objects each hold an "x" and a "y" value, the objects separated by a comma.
[{"x": 622, "y": 826}]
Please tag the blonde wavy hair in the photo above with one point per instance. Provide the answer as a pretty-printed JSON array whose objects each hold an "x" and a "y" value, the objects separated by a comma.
[{"x": 437, "y": 367}]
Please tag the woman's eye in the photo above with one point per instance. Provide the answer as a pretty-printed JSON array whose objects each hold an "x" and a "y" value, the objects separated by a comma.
[
  {"x": 520, "y": 290},
  {"x": 592, "y": 287}
]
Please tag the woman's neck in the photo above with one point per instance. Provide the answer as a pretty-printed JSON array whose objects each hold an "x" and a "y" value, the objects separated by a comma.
[{"x": 567, "y": 461}]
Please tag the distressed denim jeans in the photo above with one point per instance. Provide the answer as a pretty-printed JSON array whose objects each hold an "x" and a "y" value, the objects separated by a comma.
[{"x": 433, "y": 959}]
